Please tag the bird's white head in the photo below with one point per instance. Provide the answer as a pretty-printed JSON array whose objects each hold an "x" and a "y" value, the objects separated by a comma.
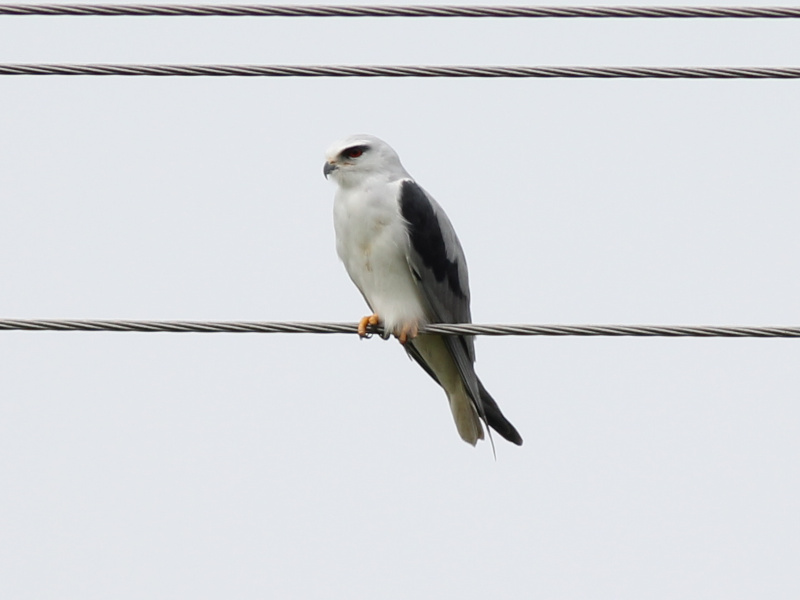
[{"x": 353, "y": 160}]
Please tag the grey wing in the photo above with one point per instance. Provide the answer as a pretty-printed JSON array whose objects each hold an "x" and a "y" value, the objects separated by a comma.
[{"x": 437, "y": 263}]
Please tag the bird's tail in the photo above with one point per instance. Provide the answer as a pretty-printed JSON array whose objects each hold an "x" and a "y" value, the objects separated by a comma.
[
  {"x": 495, "y": 419},
  {"x": 466, "y": 416}
]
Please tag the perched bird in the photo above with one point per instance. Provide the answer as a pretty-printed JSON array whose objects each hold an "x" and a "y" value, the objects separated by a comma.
[{"x": 401, "y": 251}]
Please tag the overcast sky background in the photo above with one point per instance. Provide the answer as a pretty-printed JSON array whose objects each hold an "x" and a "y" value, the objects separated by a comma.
[{"x": 252, "y": 466}]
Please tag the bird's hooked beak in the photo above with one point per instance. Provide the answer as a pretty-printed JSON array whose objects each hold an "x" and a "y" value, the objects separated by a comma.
[{"x": 328, "y": 169}]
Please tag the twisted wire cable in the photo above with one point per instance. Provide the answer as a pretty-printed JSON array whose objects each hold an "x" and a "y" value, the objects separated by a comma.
[
  {"x": 180, "y": 10},
  {"x": 351, "y": 328},
  {"x": 402, "y": 71}
]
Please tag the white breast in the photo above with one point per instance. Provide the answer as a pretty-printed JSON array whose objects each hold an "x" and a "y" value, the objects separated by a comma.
[{"x": 372, "y": 241}]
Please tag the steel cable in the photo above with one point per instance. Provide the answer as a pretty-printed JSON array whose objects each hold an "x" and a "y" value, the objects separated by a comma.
[
  {"x": 351, "y": 328},
  {"x": 180, "y": 10},
  {"x": 402, "y": 71}
]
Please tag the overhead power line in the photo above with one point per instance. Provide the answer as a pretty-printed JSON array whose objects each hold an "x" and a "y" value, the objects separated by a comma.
[
  {"x": 351, "y": 328},
  {"x": 403, "y": 71},
  {"x": 180, "y": 10}
]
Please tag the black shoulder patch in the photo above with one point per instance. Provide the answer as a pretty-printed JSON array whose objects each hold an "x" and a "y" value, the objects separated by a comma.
[{"x": 426, "y": 235}]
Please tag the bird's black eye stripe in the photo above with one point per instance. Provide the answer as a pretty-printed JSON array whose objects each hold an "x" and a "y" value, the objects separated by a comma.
[{"x": 354, "y": 151}]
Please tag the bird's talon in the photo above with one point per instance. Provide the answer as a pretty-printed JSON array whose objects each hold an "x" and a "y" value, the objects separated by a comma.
[
  {"x": 365, "y": 323},
  {"x": 409, "y": 332}
]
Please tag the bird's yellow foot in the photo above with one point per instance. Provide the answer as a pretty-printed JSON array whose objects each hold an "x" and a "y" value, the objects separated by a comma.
[
  {"x": 407, "y": 332},
  {"x": 366, "y": 322}
]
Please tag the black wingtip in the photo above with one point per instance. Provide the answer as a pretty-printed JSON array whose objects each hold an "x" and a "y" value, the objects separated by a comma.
[{"x": 496, "y": 419}]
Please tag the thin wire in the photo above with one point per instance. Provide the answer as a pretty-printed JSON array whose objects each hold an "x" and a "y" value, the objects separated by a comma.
[
  {"x": 351, "y": 328},
  {"x": 180, "y": 10},
  {"x": 403, "y": 71}
]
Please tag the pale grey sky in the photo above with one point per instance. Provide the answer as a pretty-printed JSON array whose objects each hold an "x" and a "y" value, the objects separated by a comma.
[{"x": 252, "y": 466}]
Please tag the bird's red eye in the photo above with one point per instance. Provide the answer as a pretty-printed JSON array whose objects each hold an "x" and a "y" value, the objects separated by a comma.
[{"x": 354, "y": 152}]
